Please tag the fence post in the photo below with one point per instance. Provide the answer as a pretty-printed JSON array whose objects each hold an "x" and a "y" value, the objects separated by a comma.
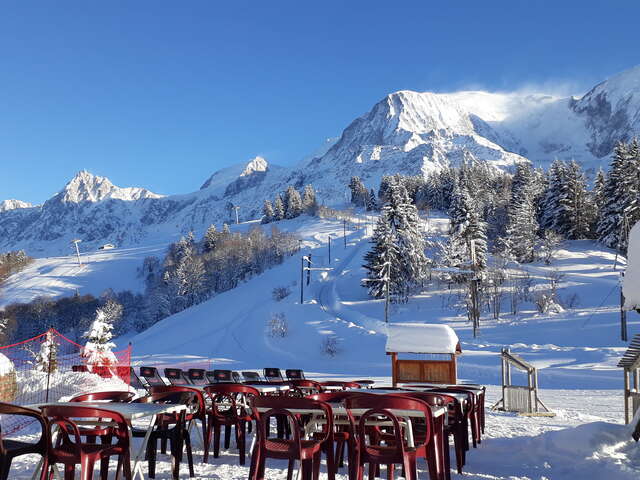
[{"x": 47, "y": 336}]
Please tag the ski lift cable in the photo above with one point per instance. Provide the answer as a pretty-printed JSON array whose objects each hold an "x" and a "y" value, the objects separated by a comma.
[{"x": 601, "y": 304}]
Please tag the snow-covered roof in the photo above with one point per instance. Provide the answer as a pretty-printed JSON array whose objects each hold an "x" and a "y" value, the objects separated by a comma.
[
  {"x": 631, "y": 283},
  {"x": 421, "y": 338}
]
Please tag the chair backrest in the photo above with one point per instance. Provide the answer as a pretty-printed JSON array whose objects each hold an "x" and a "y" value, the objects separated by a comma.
[
  {"x": 179, "y": 394},
  {"x": 231, "y": 400},
  {"x": 134, "y": 380},
  {"x": 333, "y": 397},
  {"x": 294, "y": 374},
  {"x": 176, "y": 376},
  {"x": 375, "y": 405},
  {"x": 151, "y": 375},
  {"x": 236, "y": 377},
  {"x": 306, "y": 387},
  {"x": 273, "y": 375},
  {"x": 65, "y": 417},
  {"x": 266, "y": 406},
  {"x": 79, "y": 368},
  {"x": 197, "y": 376},
  {"x": 10, "y": 409},
  {"x": 220, "y": 376},
  {"x": 115, "y": 397},
  {"x": 250, "y": 376}
]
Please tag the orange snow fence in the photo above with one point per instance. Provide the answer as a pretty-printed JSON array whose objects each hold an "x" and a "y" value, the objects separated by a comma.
[{"x": 49, "y": 367}]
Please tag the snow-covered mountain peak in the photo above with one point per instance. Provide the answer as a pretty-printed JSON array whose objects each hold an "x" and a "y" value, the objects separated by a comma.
[
  {"x": 87, "y": 187},
  {"x": 13, "y": 204},
  {"x": 257, "y": 164},
  {"x": 611, "y": 110}
]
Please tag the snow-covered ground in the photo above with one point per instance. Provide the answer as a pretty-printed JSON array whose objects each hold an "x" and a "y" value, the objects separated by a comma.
[{"x": 576, "y": 351}]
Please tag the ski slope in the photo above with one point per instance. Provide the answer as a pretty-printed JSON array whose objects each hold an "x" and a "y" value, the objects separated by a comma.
[{"x": 62, "y": 276}]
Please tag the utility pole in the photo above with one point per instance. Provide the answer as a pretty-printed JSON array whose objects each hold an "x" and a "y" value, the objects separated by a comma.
[
  {"x": 236, "y": 208},
  {"x": 475, "y": 304},
  {"x": 329, "y": 249},
  {"x": 76, "y": 242},
  {"x": 623, "y": 313},
  {"x": 308, "y": 269},
  {"x": 302, "y": 281},
  {"x": 344, "y": 231},
  {"x": 386, "y": 297}
]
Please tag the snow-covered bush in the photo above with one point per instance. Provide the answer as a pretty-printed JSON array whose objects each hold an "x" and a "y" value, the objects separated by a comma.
[
  {"x": 546, "y": 303},
  {"x": 98, "y": 349},
  {"x": 47, "y": 357},
  {"x": 8, "y": 383},
  {"x": 280, "y": 293},
  {"x": 330, "y": 346},
  {"x": 278, "y": 326}
]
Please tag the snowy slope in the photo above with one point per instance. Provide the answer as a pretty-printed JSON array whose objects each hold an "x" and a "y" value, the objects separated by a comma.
[
  {"x": 576, "y": 349},
  {"x": 63, "y": 277}
]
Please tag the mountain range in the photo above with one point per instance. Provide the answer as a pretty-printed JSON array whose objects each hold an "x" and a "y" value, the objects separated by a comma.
[{"x": 406, "y": 132}]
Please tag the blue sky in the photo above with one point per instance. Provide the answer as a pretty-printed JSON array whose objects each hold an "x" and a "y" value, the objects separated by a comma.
[{"x": 161, "y": 94}]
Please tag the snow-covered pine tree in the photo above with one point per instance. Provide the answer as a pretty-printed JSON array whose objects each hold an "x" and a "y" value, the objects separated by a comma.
[
  {"x": 47, "y": 357},
  {"x": 267, "y": 212},
  {"x": 226, "y": 231},
  {"x": 278, "y": 208},
  {"x": 309, "y": 203},
  {"x": 292, "y": 203},
  {"x": 574, "y": 208},
  {"x": 404, "y": 221},
  {"x": 466, "y": 227},
  {"x": 359, "y": 193},
  {"x": 550, "y": 201},
  {"x": 598, "y": 189},
  {"x": 372, "y": 203},
  {"x": 210, "y": 239},
  {"x": 632, "y": 189},
  {"x": 382, "y": 261},
  {"x": 522, "y": 224},
  {"x": 98, "y": 349},
  {"x": 611, "y": 218}
]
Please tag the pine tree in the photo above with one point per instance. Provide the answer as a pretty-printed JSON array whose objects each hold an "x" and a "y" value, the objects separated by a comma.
[
  {"x": 210, "y": 239},
  {"x": 409, "y": 265},
  {"x": 267, "y": 212},
  {"x": 611, "y": 221},
  {"x": 466, "y": 229},
  {"x": 574, "y": 208},
  {"x": 383, "y": 261},
  {"x": 598, "y": 189},
  {"x": 551, "y": 200},
  {"x": 522, "y": 224},
  {"x": 47, "y": 358},
  {"x": 372, "y": 204},
  {"x": 278, "y": 208},
  {"x": 98, "y": 349},
  {"x": 309, "y": 203},
  {"x": 292, "y": 203},
  {"x": 359, "y": 193},
  {"x": 226, "y": 231}
]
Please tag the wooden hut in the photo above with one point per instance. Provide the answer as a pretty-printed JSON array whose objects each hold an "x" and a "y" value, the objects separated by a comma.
[{"x": 436, "y": 347}]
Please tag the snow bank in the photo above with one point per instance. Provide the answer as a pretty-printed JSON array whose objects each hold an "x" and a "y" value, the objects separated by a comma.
[
  {"x": 631, "y": 285},
  {"x": 421, "y": 338}
]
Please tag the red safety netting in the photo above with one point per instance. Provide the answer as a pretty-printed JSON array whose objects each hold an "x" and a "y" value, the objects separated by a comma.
[{"x": 50, "y": 366}]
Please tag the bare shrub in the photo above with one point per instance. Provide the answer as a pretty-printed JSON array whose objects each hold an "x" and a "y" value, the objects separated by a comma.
[
  {"x": 280, "y": 293},
  {"x": 571, "y": 301},
  {"x": 278, "y": 326},
  {"x": 330, "y": 346}
]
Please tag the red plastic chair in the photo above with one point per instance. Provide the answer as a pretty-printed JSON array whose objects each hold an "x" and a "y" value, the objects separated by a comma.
[
  {"x": 197, "y": 376},
  {"x": 72, "y": 451},
  {"x": 10, "y": 449},
  {"x": 170, "y": 427},
  {"x": 177, "y": 377},
  {"x": 308, "y": 452},
  {"x": 306, "y": 387},
  {"x": 272, "y": 375},
  {"x": 229, "y": 408},
  {"x": 395, "y": 449},
  {"x": 454, "y": 428},
  {"x": 121, "y": 397}
]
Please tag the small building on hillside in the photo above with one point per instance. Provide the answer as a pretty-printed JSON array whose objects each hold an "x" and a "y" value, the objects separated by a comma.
[{"x": 435, "y": 346}]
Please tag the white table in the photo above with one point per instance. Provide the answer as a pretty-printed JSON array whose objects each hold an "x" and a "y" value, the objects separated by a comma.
[{"x": 130, "y": 412}]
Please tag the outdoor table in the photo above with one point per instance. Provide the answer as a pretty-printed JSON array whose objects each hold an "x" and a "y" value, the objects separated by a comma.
[
  {"x": 130, "y": 412},
  {"x": 269, "y": 388}
]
